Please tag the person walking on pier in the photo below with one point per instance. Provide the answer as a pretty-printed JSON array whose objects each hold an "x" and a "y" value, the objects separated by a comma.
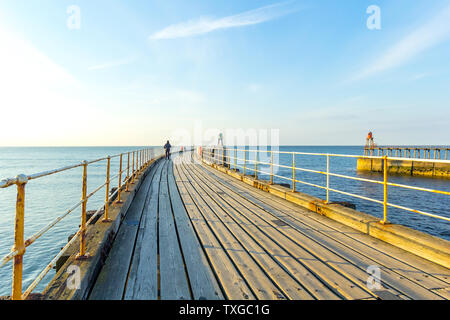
[{"x": 167, "y": 147}]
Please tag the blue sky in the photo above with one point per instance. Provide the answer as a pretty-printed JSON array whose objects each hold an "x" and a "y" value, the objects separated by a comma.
[{"x": 136, "y": 71}]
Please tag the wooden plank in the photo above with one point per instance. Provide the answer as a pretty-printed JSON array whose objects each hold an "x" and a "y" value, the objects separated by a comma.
[
  {"x": 233, "y": 285},
  {"x": 203, "y": 283},
  {"x": 289, "y": 240},
  {"x": 173, "y": 279},
  {"x": 399, "y": 281},
  {"x": 289, "y": 287},
  {"x": 261, "y": 286},
  {"x": 398, "y": 274},
  {"x": 143, "y": 279},
  {"x": 112, "y": 279}
]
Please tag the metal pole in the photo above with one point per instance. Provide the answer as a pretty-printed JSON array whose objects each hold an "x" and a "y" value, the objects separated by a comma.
[
  {"x": 235, "y": 158},
  {"x": 385, "y": 187},
  {"x": 293, "y": 172},
  {"x": 245, "y": 152},
  {"x": 132, "y": 172},
  {"x": 82, "y": 254},
  {"x": 140, "y": 162},
  {"x": 256, "y": 164},
  {"x": 120, "y": 180},
  {"x": 106, "y": 217},
  {"x": 18, "y": 239},
  {"x": 128, "y": 172},
  {"x": 271, "y": 167},
  {"x": 137, "y": 163},
  {"x": 328, "y": 178}
]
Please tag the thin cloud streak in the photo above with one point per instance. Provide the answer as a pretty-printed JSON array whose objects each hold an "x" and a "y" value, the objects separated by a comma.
[
  {"x": 431, "y": 34},
  {"x": 206, "y": 25}
]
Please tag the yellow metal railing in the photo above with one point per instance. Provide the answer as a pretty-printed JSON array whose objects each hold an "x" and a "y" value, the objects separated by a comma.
[
  {"x": 140, "y": 161},
  {"x": 227, "y": 156},
  {"x": 409, "y": 151}
]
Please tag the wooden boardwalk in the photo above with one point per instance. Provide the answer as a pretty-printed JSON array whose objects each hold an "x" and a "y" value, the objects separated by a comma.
[{"x": 195, "y": 233}]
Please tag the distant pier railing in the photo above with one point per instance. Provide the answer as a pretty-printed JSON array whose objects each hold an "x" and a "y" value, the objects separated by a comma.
[
  {"x": 418, "y": 152},
  {"x": 136, "y": 163}
]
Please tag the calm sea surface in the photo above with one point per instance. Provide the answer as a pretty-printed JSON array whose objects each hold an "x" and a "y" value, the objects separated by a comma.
[{"x": 49, "y": 197}]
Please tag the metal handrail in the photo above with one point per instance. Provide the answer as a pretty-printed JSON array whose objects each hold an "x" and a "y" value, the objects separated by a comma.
[
  {"x": 141, "y": 159},
  {"x": 209, "y": 154}
]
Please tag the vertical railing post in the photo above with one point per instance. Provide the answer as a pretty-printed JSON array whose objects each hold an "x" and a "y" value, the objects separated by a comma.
[
  {"x": 132, "y": 170},
  {"x": 293, "y": 172},
  {"x": 245, "y": 152},
  {"x": 128, "y": 173},
  {"x": 137, "y": 164},
  {"x": 120, "y": 180},
  {"x": 19, "y": 244},
  {"x": 108, "y": 170},
  {"x": 136, "y": 167},
  {"x": 235, "y": 158},
  {"x": 328, "y": 178},
  {"x": 385, "y": 189},
  {"x": 256, "y": 164},
  {"x": 271, "y": 167},
  {"x": 83, "y": 254}
]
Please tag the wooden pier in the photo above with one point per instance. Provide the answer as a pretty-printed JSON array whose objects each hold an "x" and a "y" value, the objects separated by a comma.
[{"x": 193, "y": 232}]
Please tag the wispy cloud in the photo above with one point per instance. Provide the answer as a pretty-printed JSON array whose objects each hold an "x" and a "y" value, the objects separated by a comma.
[
  {"x": 206, "y": 25},
  {"x": 113, "y": 64},
  {"x": 428, "y": 35}
]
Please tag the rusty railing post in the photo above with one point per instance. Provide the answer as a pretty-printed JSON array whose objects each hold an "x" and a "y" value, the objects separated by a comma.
[
  {"x": 271, "y": 167},
  {"x": 293, "y": 172},
  {"x": 83, "y": 254},
  {"x": 137, "y": 164},
  {"x": 328, "y": 178},
  {"x": 245, "y": 152},
  {"x": 120, "y": 180},
  {"x": 385, "y": 189},
  {"x": 108, "y": 168},
  {"x": 128, "y": 173},
  {"x": 256, "y": 164},
  {"x": 19, "y": 244},
  {"x": 132, "y": 171}
]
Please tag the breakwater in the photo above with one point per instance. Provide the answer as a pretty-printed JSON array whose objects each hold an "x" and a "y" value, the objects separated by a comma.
[{"x": 428, "y": 168}]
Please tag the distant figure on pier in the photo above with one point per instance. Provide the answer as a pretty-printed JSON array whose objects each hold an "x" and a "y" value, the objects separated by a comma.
[
  {"x": 220, "y": 140},
  {"x": 167, "y": 147}
]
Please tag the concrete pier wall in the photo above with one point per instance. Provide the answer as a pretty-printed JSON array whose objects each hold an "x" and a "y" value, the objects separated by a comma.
[{"x": 406, "y": 167}]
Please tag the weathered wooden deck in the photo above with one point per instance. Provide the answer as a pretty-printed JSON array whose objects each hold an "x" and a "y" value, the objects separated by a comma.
[{"x": 195, "y": 233}]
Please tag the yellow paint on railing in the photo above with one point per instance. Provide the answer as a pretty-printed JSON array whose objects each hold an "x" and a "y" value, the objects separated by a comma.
[
  {"x": 385, "y": 190},
  {"x": 19, "y": 248},
  {"x": 19, "y": 244},
  {"x": 106, "y": 216},
  {"x": 328, "y": 173},
  {"x": 82, "y": 254}
]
